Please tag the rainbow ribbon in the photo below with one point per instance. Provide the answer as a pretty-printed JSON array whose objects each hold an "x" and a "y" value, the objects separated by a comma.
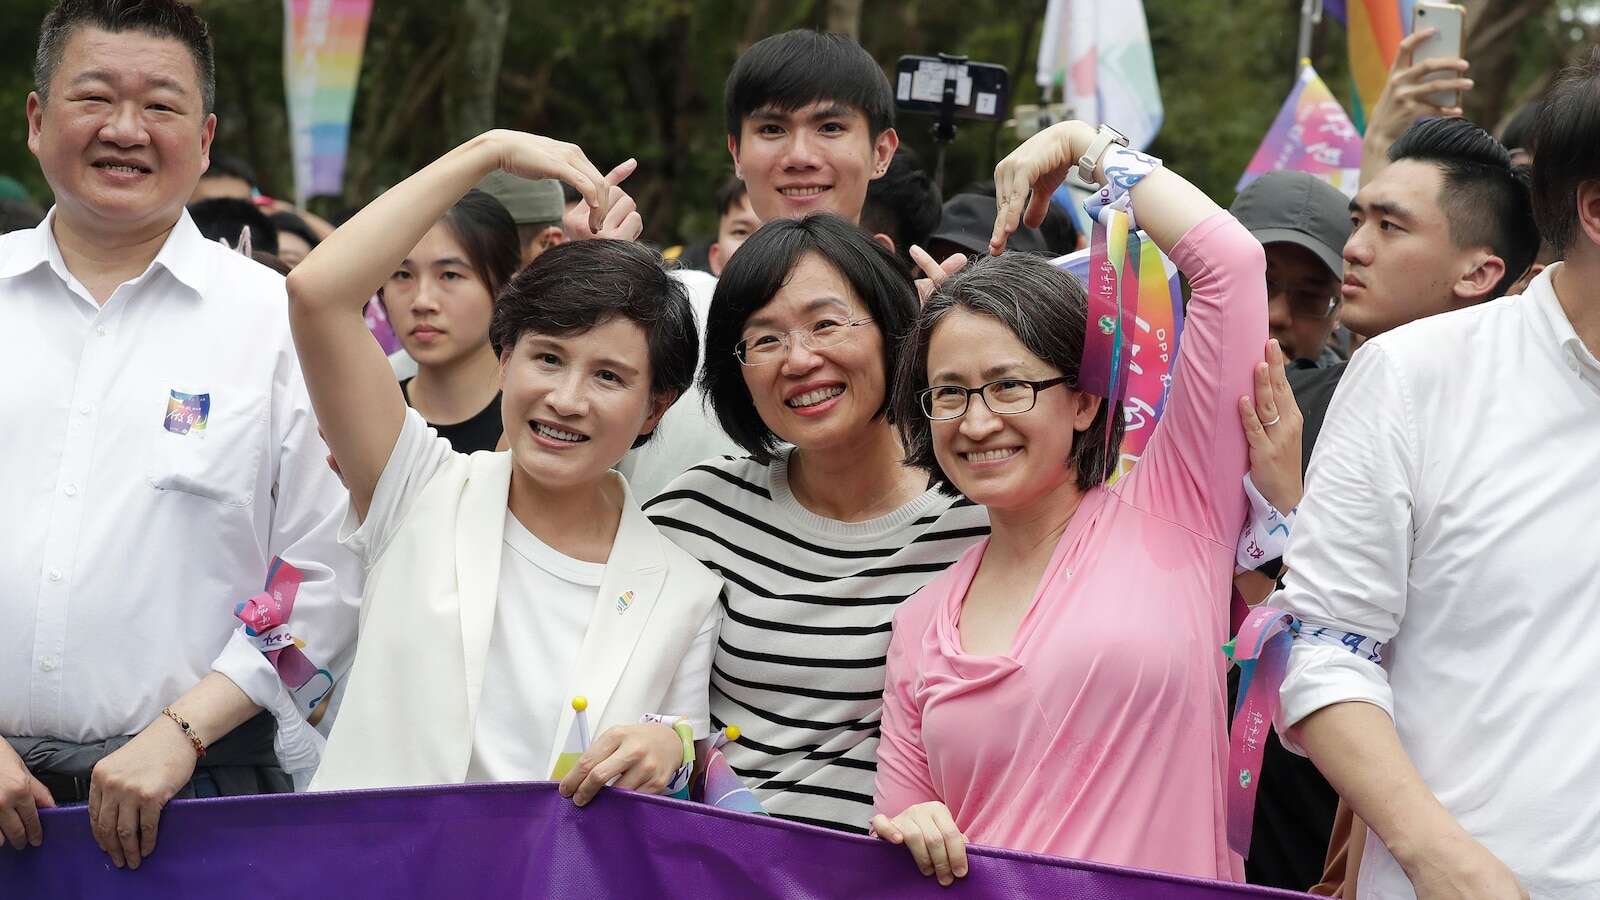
[
  {"x": 266, "y": 621},
  {"x": 1261, "y": 651}
]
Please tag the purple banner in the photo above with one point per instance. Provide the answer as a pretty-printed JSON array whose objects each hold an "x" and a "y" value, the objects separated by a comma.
[{"x": 524, "y": 841}]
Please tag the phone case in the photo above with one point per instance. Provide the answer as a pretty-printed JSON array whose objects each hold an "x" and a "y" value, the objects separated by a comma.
[{"x": 1450, "y": 20}]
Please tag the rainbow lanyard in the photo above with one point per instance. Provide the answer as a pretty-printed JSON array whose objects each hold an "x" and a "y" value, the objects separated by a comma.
[{"x": 1261, "y": 651}]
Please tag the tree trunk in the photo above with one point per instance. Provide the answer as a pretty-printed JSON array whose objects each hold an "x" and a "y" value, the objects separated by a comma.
[
  {"x": 845, "y": 16},
  {"x": 1492, "y": 49},
  {"x": 468, "y": 89}
]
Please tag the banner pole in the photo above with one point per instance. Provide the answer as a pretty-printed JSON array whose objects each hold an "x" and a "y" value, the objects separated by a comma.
[{"x": 1310, "y": 15}]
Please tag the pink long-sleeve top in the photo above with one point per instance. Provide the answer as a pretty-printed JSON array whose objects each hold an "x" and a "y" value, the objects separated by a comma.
[{"x": 1102, "y": 734}]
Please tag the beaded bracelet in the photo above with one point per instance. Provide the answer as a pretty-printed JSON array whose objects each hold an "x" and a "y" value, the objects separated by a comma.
[{"x": 188, "y": 732}]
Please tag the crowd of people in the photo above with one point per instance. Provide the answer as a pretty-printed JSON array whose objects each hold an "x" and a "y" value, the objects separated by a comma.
[{"x": 836, "y": 476}]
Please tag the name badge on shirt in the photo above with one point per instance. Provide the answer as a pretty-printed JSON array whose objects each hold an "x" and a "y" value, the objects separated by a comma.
[{"x": 187, "y": 413}]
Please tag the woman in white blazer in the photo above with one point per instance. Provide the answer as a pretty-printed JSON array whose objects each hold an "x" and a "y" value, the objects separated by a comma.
[{"x": 500, "y": 585}]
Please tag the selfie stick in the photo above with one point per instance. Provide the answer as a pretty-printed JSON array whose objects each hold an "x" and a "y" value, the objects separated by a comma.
[{"x": 944, "y": 128}]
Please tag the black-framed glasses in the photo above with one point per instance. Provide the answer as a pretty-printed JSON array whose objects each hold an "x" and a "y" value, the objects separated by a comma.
[
  {"x": 1004, "y": 397},
  {"x": 767, "y": 348},
  {"x": 1303, "y": 303}
]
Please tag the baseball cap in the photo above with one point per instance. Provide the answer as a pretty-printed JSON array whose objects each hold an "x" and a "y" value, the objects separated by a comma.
[
  {"x": 968, "y": 222},
  {"x": 1297, "y": 208},
  {"x": 528, "y": 201}
]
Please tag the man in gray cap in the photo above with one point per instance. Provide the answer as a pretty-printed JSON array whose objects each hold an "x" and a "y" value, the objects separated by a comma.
[
  {"x": 536, "y": 207},
  {"x": 1303, "y": 222}
]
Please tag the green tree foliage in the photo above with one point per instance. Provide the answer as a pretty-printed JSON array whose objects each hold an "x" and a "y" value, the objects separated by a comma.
[{"x": 644, "y": 78}]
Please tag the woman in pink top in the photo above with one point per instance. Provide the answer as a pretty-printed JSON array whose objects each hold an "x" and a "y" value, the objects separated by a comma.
[{"x": 1060, "y": 689}]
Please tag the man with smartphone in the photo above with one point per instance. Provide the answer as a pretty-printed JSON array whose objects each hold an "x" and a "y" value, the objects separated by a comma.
[{"x": 1444, "y": 566}]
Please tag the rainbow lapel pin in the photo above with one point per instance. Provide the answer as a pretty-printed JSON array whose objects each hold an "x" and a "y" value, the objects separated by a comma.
[{"x": 624, "y": 600}]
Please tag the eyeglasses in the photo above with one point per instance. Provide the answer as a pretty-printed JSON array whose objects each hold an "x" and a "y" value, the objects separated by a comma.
[
  {"x": 768, "y": 348},
  {"x": 1006, "y": 397},
  {"x": 1303, "y": 303}
]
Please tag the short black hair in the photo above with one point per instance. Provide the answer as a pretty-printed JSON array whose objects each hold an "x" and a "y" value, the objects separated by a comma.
[
  {"x": 728, "y": 195},
  {"x": 1566, "y": 134},
  {"x": 289, "y": 223},
  {"x": 1483, "y": 197},
  {"x": 904, "y": 204},
  {"x": 225, "y": 218},
  {"x": 790, "y": 70},
  {"x": 578, "y": 285},
  {"x": 1045, "y": 307},
  {"x": 486, "y": 231},
  {"x": 755, "y": 274},
  {"x": 157, "y": 18},
  {"x": 1518, "y": 133},
  {"x": 226, "y": 166}
]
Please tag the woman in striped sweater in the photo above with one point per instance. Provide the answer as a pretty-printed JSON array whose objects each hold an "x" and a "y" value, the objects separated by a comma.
[{"x": 821, "y": 531}]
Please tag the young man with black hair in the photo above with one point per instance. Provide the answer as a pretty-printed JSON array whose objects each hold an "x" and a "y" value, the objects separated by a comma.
[
  {"x": 810, "y": 119},
  {"x": 1445, "y": 225},
  {"x": 169, "y": 454},
  {"x": 1444, "y": 565}
]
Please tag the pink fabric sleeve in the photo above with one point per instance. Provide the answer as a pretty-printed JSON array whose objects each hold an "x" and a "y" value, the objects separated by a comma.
[
  {"x": 903, "y": 778},
  {"x": 1193, "y": 468}
]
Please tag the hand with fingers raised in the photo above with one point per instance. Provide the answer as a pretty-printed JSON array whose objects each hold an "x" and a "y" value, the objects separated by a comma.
[
  {"x": 934, "y": 273},
  {"x": 1039, "y": 165},
  {"x": 1272, "y": 425},
  {"x": 1406, "y": 96},
  {"x": 631, "y": 757},
  {"x": 621, "y": 222},
  {"x": 930, "y": 833},
  {"x": 533, "y": 156}
]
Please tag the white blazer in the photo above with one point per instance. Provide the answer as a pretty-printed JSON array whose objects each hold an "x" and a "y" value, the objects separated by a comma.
[{"x": 411, "y": 698}]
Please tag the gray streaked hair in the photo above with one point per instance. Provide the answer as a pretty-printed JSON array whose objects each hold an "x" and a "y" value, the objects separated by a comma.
[{"x": 1045, "y": 307}]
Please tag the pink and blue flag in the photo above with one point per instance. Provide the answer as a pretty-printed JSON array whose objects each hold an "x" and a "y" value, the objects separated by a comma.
[
  {"x": 1311, "y": 134},
  {"x": 322, "y": 44}
]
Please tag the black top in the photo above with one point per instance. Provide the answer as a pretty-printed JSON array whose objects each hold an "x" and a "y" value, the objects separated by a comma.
[
  {"x": 481, "y": 432},
  {"x": 1295, "y": 805}
]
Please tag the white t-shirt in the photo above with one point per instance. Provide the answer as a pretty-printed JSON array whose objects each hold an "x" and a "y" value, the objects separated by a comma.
[{"x": 541, "y": 615}]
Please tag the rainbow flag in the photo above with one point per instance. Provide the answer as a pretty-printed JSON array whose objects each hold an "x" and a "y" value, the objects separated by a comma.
[
  {"x": 1311, "y": 134},
  {"x": 322, "y": 43},
  {"x": 718, "y": 786},
  {"x": 1373, "y": 30}
]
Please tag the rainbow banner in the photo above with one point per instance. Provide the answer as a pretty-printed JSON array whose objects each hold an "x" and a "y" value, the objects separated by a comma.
[
  {"x": 524, "y": 842},
  {"x": 322, "y": 43},
  {"x": 1373, "y": 30},
  {"x": 1152, "y": 341},
  {"x": 1311, "y": 134}
]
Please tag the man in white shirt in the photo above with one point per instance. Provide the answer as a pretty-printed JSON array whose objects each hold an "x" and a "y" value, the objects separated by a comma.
[
  {"x": 1447, "y": 575},
  {"x": 161, "y": 453}
]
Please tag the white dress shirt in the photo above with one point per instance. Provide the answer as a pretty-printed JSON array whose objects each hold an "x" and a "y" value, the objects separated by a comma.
[
  {"x": 1451, "y": 516},
  {"x": 160, "y": 450}
]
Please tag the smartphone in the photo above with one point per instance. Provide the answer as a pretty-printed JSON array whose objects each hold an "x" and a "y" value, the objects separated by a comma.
[
  {"x": 1449, "y": 20},
  {"x": 982, "y": 90}
]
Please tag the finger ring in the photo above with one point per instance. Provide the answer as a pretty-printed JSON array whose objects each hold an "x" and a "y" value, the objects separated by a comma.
[{"x": 1275, "y": 420}]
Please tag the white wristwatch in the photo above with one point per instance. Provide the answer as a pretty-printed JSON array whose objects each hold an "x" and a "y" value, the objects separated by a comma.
[{"x": 1083, "y": 174}]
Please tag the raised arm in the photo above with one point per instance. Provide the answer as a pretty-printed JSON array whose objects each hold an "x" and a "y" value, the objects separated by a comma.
[
  {"x": 1165, "y": 205},
  {"x": 1193, "y": 467},
  {"x": 357, "y": 401}
]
